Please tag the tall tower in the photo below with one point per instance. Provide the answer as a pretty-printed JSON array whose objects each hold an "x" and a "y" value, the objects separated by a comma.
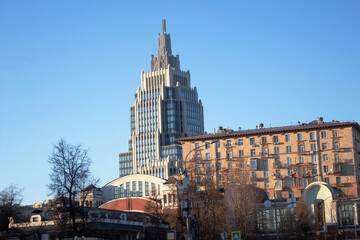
[{"x": 165, "y": 108}]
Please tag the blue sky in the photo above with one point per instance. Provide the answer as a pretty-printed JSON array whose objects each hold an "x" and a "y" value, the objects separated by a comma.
[{"x": 69, "y": 69}]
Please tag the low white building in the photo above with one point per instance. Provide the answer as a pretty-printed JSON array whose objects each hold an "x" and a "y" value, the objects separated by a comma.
[{"x": 140, "y": 185}]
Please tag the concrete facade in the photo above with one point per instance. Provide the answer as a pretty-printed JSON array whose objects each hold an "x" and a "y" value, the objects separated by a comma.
[{"x": 166, "y": 107}]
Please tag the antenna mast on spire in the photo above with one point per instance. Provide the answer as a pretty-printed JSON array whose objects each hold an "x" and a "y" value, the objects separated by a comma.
[{"x": 164, "y": 26}]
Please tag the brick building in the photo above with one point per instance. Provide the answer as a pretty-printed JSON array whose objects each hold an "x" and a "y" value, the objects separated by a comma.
[{"x": 283, "y": 160}]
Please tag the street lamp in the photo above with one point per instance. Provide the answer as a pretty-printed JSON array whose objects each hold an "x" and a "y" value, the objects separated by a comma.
[
  {"x": 276, "y": 220},
  {"x": 187, "y": 204}
]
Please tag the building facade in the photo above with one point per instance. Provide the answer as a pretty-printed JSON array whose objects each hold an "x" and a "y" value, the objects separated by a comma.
[
  {"x": 166, "y": 107},
  {"x": 280, "y": 160}
]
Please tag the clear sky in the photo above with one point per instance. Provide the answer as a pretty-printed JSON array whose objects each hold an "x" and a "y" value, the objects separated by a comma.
[{"x": 69, "y": 69}]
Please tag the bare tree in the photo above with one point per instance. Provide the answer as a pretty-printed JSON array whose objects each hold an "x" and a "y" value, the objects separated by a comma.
[
  {"x": 70, "y": 173},
  {"x": 243, "y": 200},
  {"x": 209, "y": 210},
  {"x": 10, "y": 200}
]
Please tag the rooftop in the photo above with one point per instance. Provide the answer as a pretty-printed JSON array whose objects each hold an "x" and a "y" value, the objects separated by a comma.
[{"x": 225, "y": 132}]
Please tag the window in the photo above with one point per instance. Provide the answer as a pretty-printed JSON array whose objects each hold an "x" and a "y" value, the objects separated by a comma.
[
  {"x": 197, "y": 145},
  {"x": 291, "y": 184},
  {"x": 153, "y": 189},
  {"x": 253, "y": 175},
  {"x": 300, "y": 137},
  {"x": 134, "y": 186},
  {"x": 252, "y": 152},
  {"x": 265, "y": 163},
  {"x": 241, "y": 153},
  {"x": 241, "y": 142},
  {"x": 242, "y": 164},
  {"x": 146, "y": 188},
  {"x": 140, "y": 188},
  {"x": 208, "y": 166},
  {"x": 217, "y": 144},
  {"x": 197, "y": 157},
  {"x": 336, "y": 146},
  {"x": 312, "y": 136},
  {"x": 323, "y": 134},
  {"x": 326, "y": 169},
  {"x": 314, "y": 170},
  {"x": 336, "y": 157},
  {"x": 327, "y": 180},
  {"x": 121, "y": 190},
  {"x": 266, "y": 174},
  {"x": 263, "y": 140},
  {"x": 334, "y": 133},
  {"x": 228, "y": 143},
  {"x": 230, "y": 165},
  {"x": 229, "y": 154},
  {"x": 218, "y": 155},
  {"x": 252, "y": 141},
  {"x": 198, "y": 180},
  {"x": 300, "y": 182},
  {"x": 276, "y": 150},
  {"x": 198, "y": 169},
  {"x": 287, "y": 138},
  {"x": 324, "y": 146},
  {"x": 288, "y": 149},
  {"x": 325, "y": 158},
  {"x": 290, "y": 171},
  {"x": 207, "y": 156},
  {"x": 218, "y": 165},
  {"x": 301, "y": 159},
  {"x": 313, "y": 158},
  {"x": 276, "y": 139},
  {"x": 164, "y": 199},
  {"x": 266, "y": 185},
  {"x": 253, "y": 164},
  {"x": 116, "y": 192},
  {"x": 338, "y": 180},
  {"x": 289, "y": 161},
  {"x": 301, "y": 148},
  {"x": 207, "y": 145},
  {"x": 264, "y": 151},
  {"x": 313, "y": 147}
]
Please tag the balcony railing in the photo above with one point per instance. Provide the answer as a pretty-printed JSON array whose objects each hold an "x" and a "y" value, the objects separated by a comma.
[{"x": 278, "y": 165}]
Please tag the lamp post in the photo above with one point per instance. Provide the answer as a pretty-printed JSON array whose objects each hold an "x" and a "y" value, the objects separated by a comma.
[
  {"x": 187, "y": 212},
  {"x": 276, "y": 220}
]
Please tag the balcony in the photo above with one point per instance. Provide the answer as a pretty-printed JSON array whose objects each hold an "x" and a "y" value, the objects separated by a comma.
[
  {"x": 337, "y": 168},
  {"x": 303, "y": 153},
  {"x": 278, "y": 165}
]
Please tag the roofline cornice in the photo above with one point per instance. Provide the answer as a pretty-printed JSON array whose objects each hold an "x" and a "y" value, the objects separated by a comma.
[{"x": 269, "y": 131}]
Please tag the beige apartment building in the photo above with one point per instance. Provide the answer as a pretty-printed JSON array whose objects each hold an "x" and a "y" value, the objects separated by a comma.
[{"x": 280, "y": 160}]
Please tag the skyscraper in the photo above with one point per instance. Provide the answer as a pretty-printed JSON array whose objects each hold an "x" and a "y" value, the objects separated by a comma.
[{"x": 165, "y": 108}]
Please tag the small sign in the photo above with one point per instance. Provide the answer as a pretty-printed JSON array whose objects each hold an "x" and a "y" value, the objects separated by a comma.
[
  {"x": 170, "y": 235},
  {"x": 267, "y": 203},
  {"x": 223, "y": 235},
  {"x": 235, "y": 235}
]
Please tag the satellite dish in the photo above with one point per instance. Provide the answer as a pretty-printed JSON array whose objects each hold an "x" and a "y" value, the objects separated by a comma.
[{"x": 267, "y": 204}]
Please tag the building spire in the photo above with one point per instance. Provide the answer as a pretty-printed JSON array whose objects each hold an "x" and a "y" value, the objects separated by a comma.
[
  {"x": 163, "y": 26},
  {"x": 165, "y": 56}
]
